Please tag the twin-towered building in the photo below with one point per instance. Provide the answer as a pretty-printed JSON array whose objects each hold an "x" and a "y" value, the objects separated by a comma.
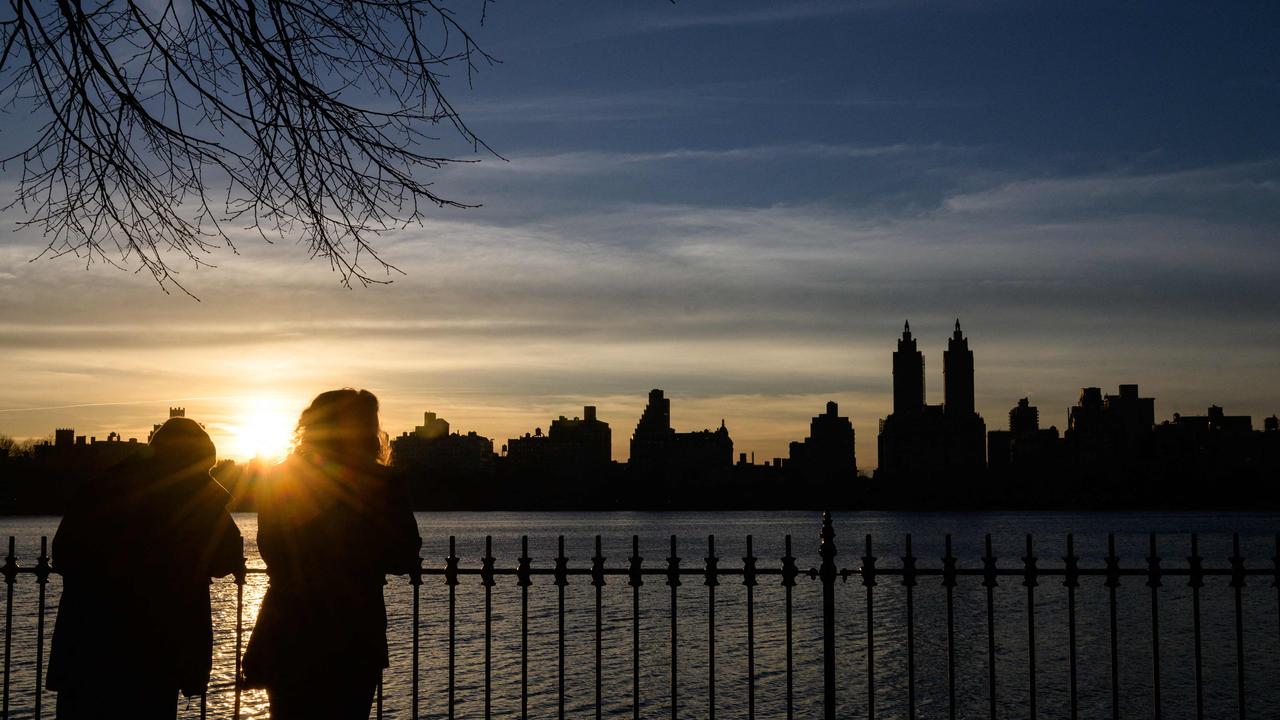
[{"x": 930, "y": 443}]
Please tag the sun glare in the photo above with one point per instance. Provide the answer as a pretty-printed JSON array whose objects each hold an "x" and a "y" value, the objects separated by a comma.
[{"x": 263, "y": 430}]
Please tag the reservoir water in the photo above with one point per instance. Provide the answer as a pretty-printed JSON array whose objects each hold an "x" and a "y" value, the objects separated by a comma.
[{"x": 1260, "y": 614}]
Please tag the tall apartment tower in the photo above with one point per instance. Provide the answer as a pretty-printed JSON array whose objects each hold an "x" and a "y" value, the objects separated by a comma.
[
  {"x": 908, "y": 375},
  {"x": 957, "y": 375},
  {"x": 656, "y": 418},
  {"x": 1024, "y": 419}
]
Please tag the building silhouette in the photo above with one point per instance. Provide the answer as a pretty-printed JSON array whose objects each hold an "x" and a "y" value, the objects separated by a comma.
[
  {"x": 827, "y": 455},
  {"x": 443, "y": 468},
  {"x": 569, "y": 466},
  {"x": 1202, "y": 457},
  {"x": 932, "y": 453},
  {"x": 174, "y": 412},
  {"x": 1108, "y": 445},
  {"x": 1024, "y": 461},
  {"x": 908, "y": 375},
  {"x": 1024, "y": 418},
  {"x": 56, "y": 471},
  {"x": 695, "y": 464}
]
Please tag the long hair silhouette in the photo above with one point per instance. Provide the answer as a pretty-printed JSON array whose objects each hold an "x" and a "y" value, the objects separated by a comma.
[{"x": 332, "y": 523}]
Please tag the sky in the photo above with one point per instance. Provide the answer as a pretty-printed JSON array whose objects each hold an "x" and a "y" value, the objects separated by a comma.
[{"x": 740, "y": 203}]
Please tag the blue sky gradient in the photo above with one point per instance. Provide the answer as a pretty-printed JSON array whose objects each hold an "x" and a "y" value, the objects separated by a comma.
[{"x": 740, "y": 202}]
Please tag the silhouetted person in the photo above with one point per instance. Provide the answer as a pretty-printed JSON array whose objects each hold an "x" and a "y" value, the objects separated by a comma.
[
  {"x": 136, "y": 550},
  {"x": 332, "y": 523}
]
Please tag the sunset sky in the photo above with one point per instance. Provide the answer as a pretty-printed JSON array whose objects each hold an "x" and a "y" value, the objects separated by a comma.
[{"x": 740, "y": 203}]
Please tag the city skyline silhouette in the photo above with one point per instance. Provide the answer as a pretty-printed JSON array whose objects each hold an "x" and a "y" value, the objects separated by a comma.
[
  {"x": 1113, "y": 452},
  {"x": 909, "y": 384}
]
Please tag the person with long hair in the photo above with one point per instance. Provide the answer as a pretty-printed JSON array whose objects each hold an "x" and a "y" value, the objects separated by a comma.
[
  {"x": 136, "y": 549},
  {"x": 332, "y": 524}
]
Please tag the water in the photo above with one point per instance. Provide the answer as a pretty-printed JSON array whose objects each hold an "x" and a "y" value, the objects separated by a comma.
[{"x": 1261, "y": 618}]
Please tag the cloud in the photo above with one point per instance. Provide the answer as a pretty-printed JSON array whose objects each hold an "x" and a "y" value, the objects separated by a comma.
[
  {"x": 771, "y": 14},
  {"x": 584, "y": 162},
  {"x": 499, "y": 320},
  {"x": 1234, "y": 193}
]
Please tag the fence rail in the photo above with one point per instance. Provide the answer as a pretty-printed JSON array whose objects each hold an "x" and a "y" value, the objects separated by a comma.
[{"x": 907, "y": 572}]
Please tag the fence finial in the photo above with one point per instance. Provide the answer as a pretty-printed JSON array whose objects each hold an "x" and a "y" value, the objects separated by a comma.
[
  {"x": 524, "y": 566},
  {"x": 1113, "y": 563},
  {"x": 868, "y": 566},
  {"x": 712, "y": 563},
  {"x": 562, "y": 564},
  {"x": 1029, "y": 566},
  {"x": 10, "y": 568},
  {"x": 487, "y": 563},
  {"x": 634, "y": 572},
  {"x": 749, "y": 566},
  {"x": 451, "y": 563},
  {"x": 1072, "y": 562},
  {"x": 1195, "y": 567},
  {"x": 597, "y": 566},
  {"x": 1153, "y": 565},
  {"x": 989, "y": 566},
  {"x": 908, "y": 565},
  {"x": 673, "y": 565}
]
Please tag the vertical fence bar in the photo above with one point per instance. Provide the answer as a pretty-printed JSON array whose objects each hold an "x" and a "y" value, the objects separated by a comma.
[
  {"x": 1153, "y": 582},
  {"x": 635, "y": 580},
  {"x": 1071, "y": 581},
  {"x": 1029, "y": 580},
  {"x": 1113, "y": 582},
  {"x": 989, "y": 581},
  {"x": 1196, "y": 581},
  {"x": 597, "y": 580},
  {"x": 451, "y": 579},
  {"x": 711, "y": 582},
  {"x": 204, "y": 704},
  {"x": 673, "y": 580},
  {"x": 562, "y": 579},
  {"x": 239, "y": 575},
  {"x": 487, "y": 579},
  {"x": 42, "y": 579},
  {"x": 789, "y": 573},
  {"x": 415, "y": 580},
  {"x": 378, "y": 704},
  {"x": 1237, "y": 584},
  {"x": 749, "y": 580},
  {"x": 524, "y": 578},
  {"x": 909, "y": 582},
  {"x": 10, "y": 577},
  {"x": 869, "y": 581},
  {"x": 949, "y": 582},
  {"x": 827, "y": 574}
]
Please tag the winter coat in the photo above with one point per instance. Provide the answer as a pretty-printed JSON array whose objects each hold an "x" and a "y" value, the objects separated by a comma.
[
  {"x": 135, "y": 550},
  {"x": 329, "y": 534}
]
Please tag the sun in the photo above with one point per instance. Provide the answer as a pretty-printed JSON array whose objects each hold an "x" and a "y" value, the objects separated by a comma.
[{"x": 263, "y": 430}]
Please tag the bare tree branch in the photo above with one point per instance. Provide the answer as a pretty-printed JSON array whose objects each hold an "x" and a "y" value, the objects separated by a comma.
[{"x": 311, "y": 121}]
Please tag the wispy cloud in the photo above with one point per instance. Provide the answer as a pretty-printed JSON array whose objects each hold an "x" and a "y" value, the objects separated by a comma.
[
  {"x": 503, "y": 318},
  {"x": 683, "y": 18}
]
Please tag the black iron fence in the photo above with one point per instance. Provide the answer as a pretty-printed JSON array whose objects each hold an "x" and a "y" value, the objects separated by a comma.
[{"x": 749, "y": 572}]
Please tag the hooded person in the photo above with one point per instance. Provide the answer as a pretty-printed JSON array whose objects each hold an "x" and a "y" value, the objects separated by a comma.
[{"x": 136, "y": 550}]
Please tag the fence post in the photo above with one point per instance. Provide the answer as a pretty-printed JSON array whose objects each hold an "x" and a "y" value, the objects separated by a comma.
[{"x": 827, "y": 573}]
